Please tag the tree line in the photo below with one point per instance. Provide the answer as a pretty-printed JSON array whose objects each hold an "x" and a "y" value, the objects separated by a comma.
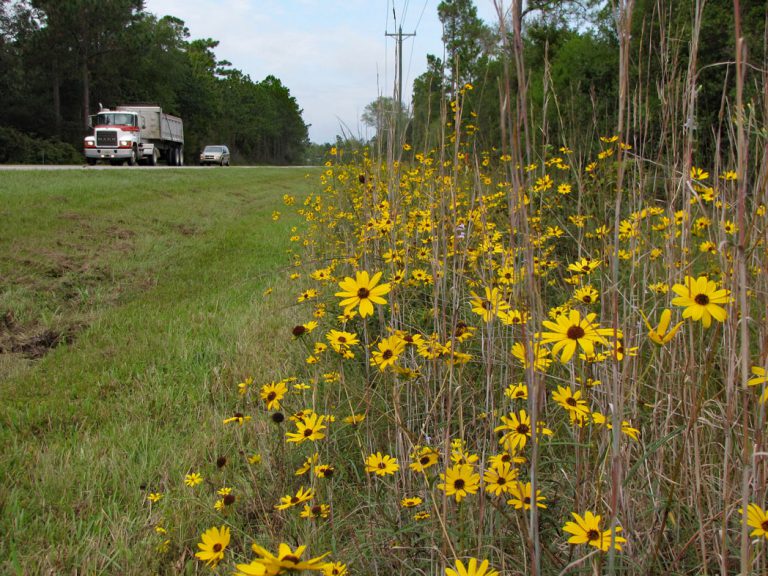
[
  {"x": 571, "y": 72},
  {"x": 60, "y": 60}
]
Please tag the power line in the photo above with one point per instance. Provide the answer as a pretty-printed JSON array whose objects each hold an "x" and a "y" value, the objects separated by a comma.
[{"x": 399, "y": 35}]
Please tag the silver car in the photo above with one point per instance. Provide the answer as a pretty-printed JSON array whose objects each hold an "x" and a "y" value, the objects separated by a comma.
[{"x": 215, "y": 155}]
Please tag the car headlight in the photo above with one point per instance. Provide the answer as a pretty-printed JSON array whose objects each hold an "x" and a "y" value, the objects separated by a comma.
[{"x": 125, "y": 142}]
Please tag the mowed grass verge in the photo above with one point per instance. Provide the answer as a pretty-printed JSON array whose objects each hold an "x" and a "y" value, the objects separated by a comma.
[{"x": 131, "y": 303}]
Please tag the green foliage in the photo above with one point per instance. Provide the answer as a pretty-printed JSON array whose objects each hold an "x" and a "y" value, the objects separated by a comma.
[
  {"x": 161, "y": 309},
  {"x": 428, "y": 96},
  {"x": 467, "y": 39},
  {"x": 19, "y": 148},
  {"x": 571, "y": 58},
  {"x": 59, "y": 60}
]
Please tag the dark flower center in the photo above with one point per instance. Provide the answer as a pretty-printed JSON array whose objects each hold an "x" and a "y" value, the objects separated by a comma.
[
  {"x": 424, "y": 460},
  {"x": 486, "y": 305},
  {"x": 271, "y": 396},
  {"x": 316, "y": 510},
  {"x": 764, "y": 525},
  {"x": 458, "y": 484},
  {"x": 342, "y": 339},
  {"x": 362, "y": 293},
  {"x": 501, "y": 481},
  {"x": 382, "y": 465},
  {"x": 278, "y": 417},
  {"x": 701, "y": 299},
  {"x": 587, "y": 299},
  {"x": 506, "y": 458},
  {"x": 522, "y": 429},
  {"x": 593, "y": 535},
  {"x": 308, "y": 432},
  {"x": 217, "y": 547},
  {"x": 290, "y": 558},
  {"x": 387, "y": 354},
  {"x": 294, "y": 499},
  {"x": 571, "y": 401},
  {"x": 575, "y": 332},
  {"x": 299, "y": 330},
  {"x": 229, "y": 499}
]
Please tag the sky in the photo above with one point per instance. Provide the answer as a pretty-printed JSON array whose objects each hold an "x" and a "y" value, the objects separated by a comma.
[{"x": 332, "y": 55}]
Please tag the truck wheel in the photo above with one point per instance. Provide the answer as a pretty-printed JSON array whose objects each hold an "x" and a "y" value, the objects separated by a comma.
[
  {"x": 171, "y": 157},
  {"x": 153, "y": 158},
  {"x": 132, "y": 157},
  {"x": 180, "y": 153}
]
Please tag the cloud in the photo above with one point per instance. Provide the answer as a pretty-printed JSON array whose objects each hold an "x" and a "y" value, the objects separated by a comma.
[{"x": 331, "y": 54}]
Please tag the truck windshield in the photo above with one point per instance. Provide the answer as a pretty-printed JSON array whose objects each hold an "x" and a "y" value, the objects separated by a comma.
[{"x": 113, "y": 118}]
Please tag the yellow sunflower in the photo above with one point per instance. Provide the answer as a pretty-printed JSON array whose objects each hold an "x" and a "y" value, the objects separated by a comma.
[
  {"x": 363, "y": 292},
  {"x": 491, "y": 305},
  {"x": 387, "y": 352},
  {"x": 286, "y": 560},
  {"x": 586, "y": 530},
  {"x": 300, "y": 497},
  {"x": 423, "y": 458},
  {"x": 662, "y": 334},
  {"x": 273, "y": 393},
  {"x": 308, "y": 428},
  {"x": 701, "y": 299},
  {"x": 459, "y": 481},
  {"x": 572, "y": 331},
  {"x": 381, "y": 464},
  {"x": 500, "y": 479},
  {"x": 522, "y": 498},
  {"x": 471, "y": 569},
  {"x": 214, "y": 542},
  {"x": 757, "y": 519}
]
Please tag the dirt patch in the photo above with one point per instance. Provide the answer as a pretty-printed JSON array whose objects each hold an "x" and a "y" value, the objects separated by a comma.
[
  {"x": 35, "y": 345},
  {"x": 38, "y": 345},
  {"x": 188, "y": 230},
  {"x": 58, "y": 265},
  {"x": 120, "y": 233}
]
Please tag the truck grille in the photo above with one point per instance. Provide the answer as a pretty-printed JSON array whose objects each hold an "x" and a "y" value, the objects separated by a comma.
[{"x": 106, "y": 138}]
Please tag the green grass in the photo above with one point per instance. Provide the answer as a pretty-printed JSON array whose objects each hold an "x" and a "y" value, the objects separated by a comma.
[{"x": 152, "y": 282}]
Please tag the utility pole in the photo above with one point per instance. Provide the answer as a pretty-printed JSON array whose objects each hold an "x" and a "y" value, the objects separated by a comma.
[{"x": 399, "y": 37}]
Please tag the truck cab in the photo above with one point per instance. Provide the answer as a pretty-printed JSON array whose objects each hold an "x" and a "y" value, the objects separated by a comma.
[
  {"x": 133, "y": 133},
  {"x": 116, "y": 137}
]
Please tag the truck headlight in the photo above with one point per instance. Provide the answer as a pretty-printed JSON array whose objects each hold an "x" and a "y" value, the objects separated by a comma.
[{"x": 125, "y": 143}]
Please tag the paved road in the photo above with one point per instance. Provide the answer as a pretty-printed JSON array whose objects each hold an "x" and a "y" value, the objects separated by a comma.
[
  {"x": 103, "y": 167},
  {"x": 108, "y": 167}
]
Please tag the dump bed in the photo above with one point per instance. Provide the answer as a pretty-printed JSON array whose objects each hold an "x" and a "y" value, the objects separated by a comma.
[{"x": 157, "y": 126}]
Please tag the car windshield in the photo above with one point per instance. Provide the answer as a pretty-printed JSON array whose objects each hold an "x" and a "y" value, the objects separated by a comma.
[
  {"x": 111, "y": 119},
  {"x": 213, "y": 149}
]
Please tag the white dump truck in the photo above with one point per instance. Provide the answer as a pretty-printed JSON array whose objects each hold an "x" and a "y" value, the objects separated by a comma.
[{"x": 132, "y": 134}]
